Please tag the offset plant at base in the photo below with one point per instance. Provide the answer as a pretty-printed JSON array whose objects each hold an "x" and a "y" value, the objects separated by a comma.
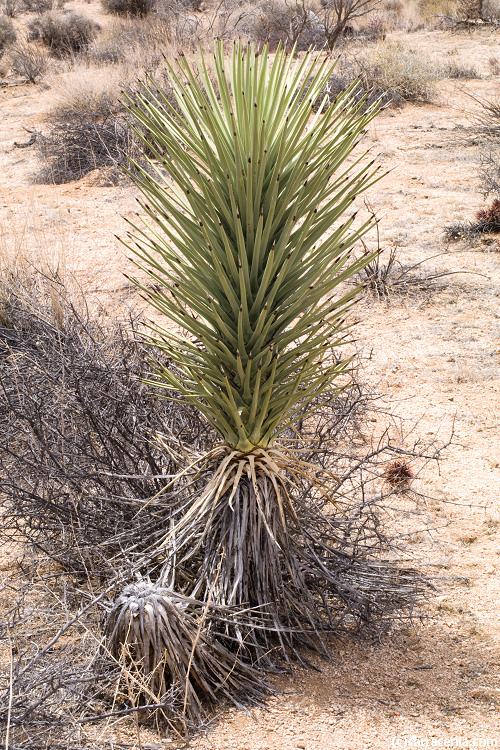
[{"x": 246, "y": 238}]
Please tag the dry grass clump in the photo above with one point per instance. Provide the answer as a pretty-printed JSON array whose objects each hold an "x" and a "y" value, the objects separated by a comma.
[
  {"x": 395, "y": 68},
  {"x": 64, "y": 33},
  {"x": 387, "y": 277}
]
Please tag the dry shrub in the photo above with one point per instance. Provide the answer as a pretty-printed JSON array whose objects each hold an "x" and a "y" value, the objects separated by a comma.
[
  {"x": 221, "y": 19},
  {"x": 484, "y": 132},
  {"x": 76, "y": 144},
  {"x": 488, "y": 219},
  {"x": 78, "y": 463},
  {"x": 139, "y": 44},
  {"x": 29, "y": 61},
  {"x": 430, "y": 10},
  {"x": 11, "y": 8},
  {"x": 78, "y": 420},
  {"x": 87, "y": 128},
  {"x": 376, "y": 28},
  {"x": 407, "y": 72},
  {"x": 491, "y": 10},
  {"x": 64, "y": 33},
  {"x": 131, "y": 8},
  {"x": 7, "y": 34},
  {"x": 477, "y": 10},
  {"x": 41, "y": 6},
  {"x": 278, "y": 21},
  {"x": 348, "y": 74},
  {"x": 87, "y": 452},
  {"x": 494, "y": 65},
  {"x": 461, "y": 71}
]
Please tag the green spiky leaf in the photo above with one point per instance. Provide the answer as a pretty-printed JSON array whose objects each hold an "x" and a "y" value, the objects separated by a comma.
[{"x": 246, "y": 233}]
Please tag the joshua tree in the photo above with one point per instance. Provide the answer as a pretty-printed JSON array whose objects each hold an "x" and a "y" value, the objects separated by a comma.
[{"x": 248, "y": 241}]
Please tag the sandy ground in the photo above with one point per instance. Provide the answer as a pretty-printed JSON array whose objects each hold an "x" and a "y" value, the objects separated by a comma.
[{"x": 436, "y": 354}]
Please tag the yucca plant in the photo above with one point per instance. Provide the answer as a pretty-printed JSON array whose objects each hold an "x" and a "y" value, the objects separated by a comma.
[{"x": 247, "y": 236}]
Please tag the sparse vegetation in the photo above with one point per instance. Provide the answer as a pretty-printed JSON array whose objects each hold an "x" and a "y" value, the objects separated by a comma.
[{"x": 42, "y": 6}]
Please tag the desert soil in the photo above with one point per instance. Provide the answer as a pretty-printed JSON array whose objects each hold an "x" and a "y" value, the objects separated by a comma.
[{"x": 436, "y": 356}]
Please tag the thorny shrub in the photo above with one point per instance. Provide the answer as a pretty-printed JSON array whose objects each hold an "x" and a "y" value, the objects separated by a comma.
[{"x": 87, "y": 128}]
